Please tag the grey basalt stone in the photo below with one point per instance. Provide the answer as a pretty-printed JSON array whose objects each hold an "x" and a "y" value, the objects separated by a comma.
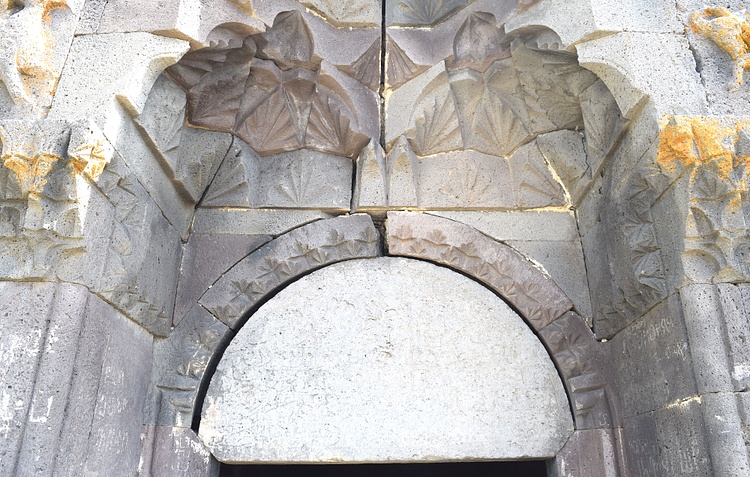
[
  {"x": 591, "y": 453},
  {"x": 204, "y": 259},
  {"x": 584, "y": 364},
  {"x": 175, "y": 451},
  {"x": 652, "y": 360},
  {"x": 463, "y": 248},
  {"x": 669, "y": 441},
  {"x": 180, "y": 363},
  {"x": 88, "y": 369},
  {"x": 287, "y": 257}
]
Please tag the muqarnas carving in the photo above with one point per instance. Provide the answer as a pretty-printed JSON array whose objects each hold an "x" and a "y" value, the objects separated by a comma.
[
  {"x": 273, "y": 92},
  {"x": 469, "y": 124}
]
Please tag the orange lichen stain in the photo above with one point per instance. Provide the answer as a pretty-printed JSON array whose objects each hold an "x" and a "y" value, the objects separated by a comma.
[
  {"x": 698, "y": 141},
  {"x": 31, "y": 172},
  {"x": 90, "y": 159},
  {"x": 48, "y": 6},
  {"x": 730, "y": 32}
]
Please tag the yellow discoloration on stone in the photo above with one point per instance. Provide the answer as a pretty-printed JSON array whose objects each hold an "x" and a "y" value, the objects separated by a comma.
[
  {"x": 700, "y": 141},
  {"x": 31, "y": 171},
  {"x": 26, "y": 46},
  {"x": 730, "y": 31},
  {"x": 90, "y": 159}
]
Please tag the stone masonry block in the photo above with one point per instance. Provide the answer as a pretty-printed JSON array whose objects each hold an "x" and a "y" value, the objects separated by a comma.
[
  {"x": 289, "y": 256},
  {"x": 461, "y": 247},
  {"x": 204, "y": 259},
  {"x": 652, "y": 361}
]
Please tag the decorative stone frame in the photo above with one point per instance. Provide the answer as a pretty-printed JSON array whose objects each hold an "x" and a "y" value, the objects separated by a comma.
[{"x": 197, "y": 343}]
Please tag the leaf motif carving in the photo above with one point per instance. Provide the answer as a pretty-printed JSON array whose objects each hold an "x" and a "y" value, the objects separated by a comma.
[
  {"x": 426, "y": 12},
  {"x": 399, "y": 68},
  {"x": 267, "y": 92},
  {"x": 437, "y": 130}
]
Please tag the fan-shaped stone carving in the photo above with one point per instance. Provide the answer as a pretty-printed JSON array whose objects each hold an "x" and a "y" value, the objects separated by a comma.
[
  {"x": 421, "y": 13},
  {"x": 399, "y": 67},
  {"x": 268, "y": 93},
  {"x": 366, "y": 69}
]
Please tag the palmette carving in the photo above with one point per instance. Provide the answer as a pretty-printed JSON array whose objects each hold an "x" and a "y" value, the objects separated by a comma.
[
  {"x": 582, "y": 362},
  {"x": 423, "y": 12},
  {"x": 289, "y": 256},
  {"x": 399, "y": 67},
  {"x": 366, "y": 69},
  {"x": 579, "y": 357},
  {"x": 268, "y": 92}
]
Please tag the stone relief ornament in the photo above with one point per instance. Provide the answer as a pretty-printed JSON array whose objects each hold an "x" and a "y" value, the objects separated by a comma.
[{"x": 272, "y": 92}]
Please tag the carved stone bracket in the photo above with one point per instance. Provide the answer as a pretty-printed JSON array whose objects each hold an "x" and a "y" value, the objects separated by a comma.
[{"x": 581, "y": 360}]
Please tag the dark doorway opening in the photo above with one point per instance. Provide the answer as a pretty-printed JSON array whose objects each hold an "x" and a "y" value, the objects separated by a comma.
[{"x": 457, "y": 469}]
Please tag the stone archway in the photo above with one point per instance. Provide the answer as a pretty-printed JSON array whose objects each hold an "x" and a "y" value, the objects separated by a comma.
[
  {"x": 385, "y": 360},
  {"x": 581, "y": 360}
]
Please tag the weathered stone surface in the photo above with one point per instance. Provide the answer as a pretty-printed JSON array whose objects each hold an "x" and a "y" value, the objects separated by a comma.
[
  {"x": 179, "y": 365},
  {"x": 399, "y": 383},
  {"x": 109, "y": 390},
  {"x": 204, "y": 259},
  {"x": 585, "y": 368},
  {"x": 273, "y": 92},
  {"x": 348, "y": 14},
  {"x": 473, "y": 180},
  {"x": 715, "y": 36},
  {"x": 563, "y": 262},
  {"x": 78, "y": 401},
  {"x": 175, "y": 451},
  {"x": 370, "y": 183},
  {"x": 286, "y": 258},
  {"x": 70, "y": 219},
  {"x": 191, "y": 156},
  {"x": 581, "y": 20},
  {"x": 587, "y": 454},
  {"x": 252, "y": 221},
  {"x": 670, "y": 441},
  {"x": 652, "y": 360},
  {"x": 707, "y": 334},
  {"x": 635, "y": 73},
  {"x": 504, "y": 226},
  {"x": 734, "y": 304},
  {"x": 726, "y": 443},
  {"x": 565, "y": 152},
  {"x": 183, "y": 19},
  {"x": 303, "y": 179},
  {"x": 603, "y": 124},
  {"x": 34, "y": 42},
  {"x": 89, "y": 90},
  {"x": 465, "y": 249}
]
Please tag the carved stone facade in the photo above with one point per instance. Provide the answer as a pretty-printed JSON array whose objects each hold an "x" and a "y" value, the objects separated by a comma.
[{"x": 172, "y": 170}]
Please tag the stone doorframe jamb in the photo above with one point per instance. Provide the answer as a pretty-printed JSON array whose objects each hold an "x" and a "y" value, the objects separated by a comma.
[{"x": 195, "y": 346}]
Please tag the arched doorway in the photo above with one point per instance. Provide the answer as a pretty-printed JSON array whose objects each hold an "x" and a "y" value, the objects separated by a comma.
[{"x": 386, "y": 360}]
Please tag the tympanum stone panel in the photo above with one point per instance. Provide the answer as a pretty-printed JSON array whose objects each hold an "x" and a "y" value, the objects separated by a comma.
[{"x": 385, "y": 360}]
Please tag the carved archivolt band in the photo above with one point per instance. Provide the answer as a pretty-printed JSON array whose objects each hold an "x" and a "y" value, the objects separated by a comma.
[{"x": 200, "y": 337}]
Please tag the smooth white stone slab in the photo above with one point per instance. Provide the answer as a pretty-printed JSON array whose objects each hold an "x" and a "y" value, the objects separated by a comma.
[{"x": 385, "y": 360}]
